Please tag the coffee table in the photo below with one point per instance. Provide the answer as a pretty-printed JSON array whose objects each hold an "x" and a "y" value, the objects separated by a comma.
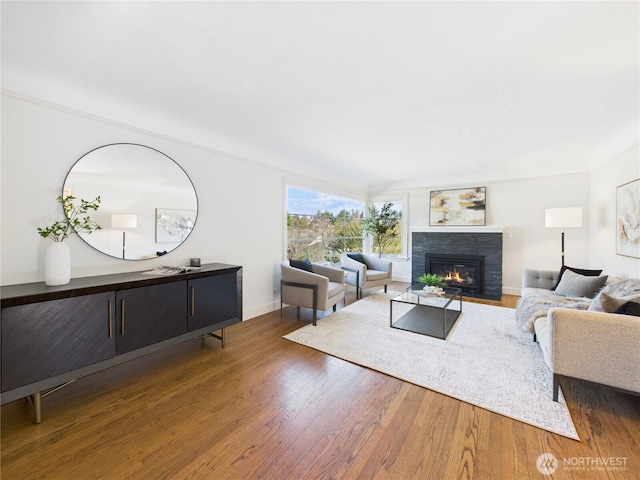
[{"x": 431, "y": 315}]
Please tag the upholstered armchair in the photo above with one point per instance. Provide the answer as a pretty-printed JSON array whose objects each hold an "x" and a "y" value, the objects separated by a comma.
[
  {"x": 310, "y": 286},
  {"x": 366, "y": 271}
]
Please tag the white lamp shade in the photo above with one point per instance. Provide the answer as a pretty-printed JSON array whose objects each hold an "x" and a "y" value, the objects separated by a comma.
[
  {"x": 124, "y": 221},
  {"x": 563, "y": 217}
]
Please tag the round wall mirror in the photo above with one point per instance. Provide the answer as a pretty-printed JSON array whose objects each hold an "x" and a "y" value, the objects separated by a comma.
[{"x": 148, "y": 203}]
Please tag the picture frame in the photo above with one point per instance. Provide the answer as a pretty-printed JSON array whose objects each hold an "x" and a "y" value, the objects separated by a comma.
[
  {"x": 462, "y": 206},
  {"x": 628, "y": 219},
  {"x": 173, "y": 225}
]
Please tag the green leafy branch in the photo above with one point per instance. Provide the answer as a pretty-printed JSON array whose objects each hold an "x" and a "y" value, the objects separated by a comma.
[
  {"x": 432, "y": 280},
  {"x": 76, "y": 219}
]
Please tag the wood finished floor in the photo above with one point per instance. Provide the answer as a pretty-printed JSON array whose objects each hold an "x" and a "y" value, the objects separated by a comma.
[{"x": 264, "y": 407}]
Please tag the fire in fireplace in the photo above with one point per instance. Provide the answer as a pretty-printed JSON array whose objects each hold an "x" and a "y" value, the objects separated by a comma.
[{"x": 460, "y": 271}]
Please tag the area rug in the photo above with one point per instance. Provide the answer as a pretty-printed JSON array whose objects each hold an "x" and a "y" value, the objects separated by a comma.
[{"x": 485, "y": 361}]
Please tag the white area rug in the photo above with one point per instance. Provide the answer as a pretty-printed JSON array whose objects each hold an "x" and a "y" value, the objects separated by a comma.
[{"x": 486, "y": 360}]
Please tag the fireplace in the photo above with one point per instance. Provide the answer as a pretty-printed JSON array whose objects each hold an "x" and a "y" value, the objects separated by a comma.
[
  {"x": 460, "y": 271},
  {"x": 485, "y": 245}
]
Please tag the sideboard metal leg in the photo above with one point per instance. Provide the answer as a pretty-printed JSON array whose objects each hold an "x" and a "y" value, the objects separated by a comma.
[
  {"x": 36, "y": 403},
  {"x": 222, "y": 337}
]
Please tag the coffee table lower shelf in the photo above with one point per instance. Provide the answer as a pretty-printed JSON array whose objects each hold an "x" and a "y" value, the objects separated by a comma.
[
  {"x": 429, "y": 315},
  {"x": 428, "y": 321}
]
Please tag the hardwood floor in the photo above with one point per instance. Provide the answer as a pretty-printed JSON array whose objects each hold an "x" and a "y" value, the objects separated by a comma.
[{"x": 264, "y": 407}]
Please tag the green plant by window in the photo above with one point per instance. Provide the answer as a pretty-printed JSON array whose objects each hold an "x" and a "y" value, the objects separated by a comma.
[
  {"x": 382, "y": 225},
  {"x": 432, "y": 280},
  {"x": 76, "y": 219}
]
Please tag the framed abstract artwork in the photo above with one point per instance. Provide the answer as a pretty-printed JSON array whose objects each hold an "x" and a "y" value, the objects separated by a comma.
[
  {"x": 628, "y": 219},
  {"x": 464, "y": 206},
  {"x": 173, "y": 225}
]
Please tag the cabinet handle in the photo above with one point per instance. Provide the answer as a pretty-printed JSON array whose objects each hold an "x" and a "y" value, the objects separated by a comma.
[
  {"x": 193, "y": 301},
  {"x": 122, "y": 325},
  {"x": 110, "y": 319}
]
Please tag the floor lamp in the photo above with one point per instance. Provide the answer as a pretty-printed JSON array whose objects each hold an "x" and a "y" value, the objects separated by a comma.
[
  {"x": 561, "y": 218},
  {"x": 124, "y": 221}
]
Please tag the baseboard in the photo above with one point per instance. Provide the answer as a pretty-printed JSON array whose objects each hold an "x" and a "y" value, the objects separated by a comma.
[
  {"x": 261, "y": 310},
  {"x": 511, "y": 291}
]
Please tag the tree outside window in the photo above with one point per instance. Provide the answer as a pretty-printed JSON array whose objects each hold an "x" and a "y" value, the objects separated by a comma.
[
  {"x": 384, "y": 224},
  {"x": 322, "y": 226}
]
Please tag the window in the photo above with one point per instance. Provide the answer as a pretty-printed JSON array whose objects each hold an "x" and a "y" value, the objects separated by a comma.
[
  {"x": 395, "y": 244},
  {"x": 321, "y": 226}
]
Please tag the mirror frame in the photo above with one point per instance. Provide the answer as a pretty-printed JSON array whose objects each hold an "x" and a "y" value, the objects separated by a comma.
[{"x": 90, "y": 239}]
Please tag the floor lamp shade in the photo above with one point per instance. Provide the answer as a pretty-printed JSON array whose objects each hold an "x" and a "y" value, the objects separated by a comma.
[
  {"x": 124, "y": 221},
  {"x": 563, "y": 217},
  {"x": 560, "y": 218}
]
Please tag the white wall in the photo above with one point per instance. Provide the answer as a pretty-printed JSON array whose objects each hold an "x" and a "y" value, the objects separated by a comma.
[
  {"x": 622, "y": 169},
  {"x": 518, "y": 205},
  {"x": 241, "y": 207},
  {"x": 240, "y": 217}
]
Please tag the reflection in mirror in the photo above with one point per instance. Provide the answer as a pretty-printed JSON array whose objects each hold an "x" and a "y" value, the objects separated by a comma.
[{"x": 149, "y": 205}]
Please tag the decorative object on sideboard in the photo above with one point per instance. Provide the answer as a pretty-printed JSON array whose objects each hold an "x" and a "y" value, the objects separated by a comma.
[
  {"x": 464, "y": 206},
  {"x": 560, "y": 218},
  {"x": 76, "y": 220},
  {"x": 628, "y": 219}
]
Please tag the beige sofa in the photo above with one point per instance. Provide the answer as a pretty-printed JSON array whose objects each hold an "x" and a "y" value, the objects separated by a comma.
[{"x": 582, "y": 342}]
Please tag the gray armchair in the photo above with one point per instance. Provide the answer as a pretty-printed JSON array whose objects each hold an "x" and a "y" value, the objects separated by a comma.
[
  {"x": 319, "y": 289},
  {"x": 366, "y": 271}
]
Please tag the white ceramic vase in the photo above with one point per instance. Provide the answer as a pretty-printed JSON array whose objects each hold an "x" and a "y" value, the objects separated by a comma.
[{"x": 57, "y": 264}]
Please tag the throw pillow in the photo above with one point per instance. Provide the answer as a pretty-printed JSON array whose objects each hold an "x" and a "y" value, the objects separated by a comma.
[
  {"x": 302, "y": 264},
  {"x": 575, "y": 285},
  {"x": 608, "y": 303},
  {"x": 357, "y": 257},
  {"x": 629, "y": 308},
  {"x": 580, "y": 271}
]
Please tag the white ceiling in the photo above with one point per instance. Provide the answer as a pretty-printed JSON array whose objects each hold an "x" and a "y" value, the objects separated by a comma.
[{"x": 376, "y": 94}]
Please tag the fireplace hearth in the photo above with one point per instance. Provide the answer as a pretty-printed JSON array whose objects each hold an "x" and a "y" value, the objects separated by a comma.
[{"x": 460, "y": 271}]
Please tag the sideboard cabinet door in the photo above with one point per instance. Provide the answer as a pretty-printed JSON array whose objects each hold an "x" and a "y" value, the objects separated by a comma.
[
  {"x": 148, "y": 315},
  {"x": 212, "y": 300},
  {"x": 41, "y": 340}
]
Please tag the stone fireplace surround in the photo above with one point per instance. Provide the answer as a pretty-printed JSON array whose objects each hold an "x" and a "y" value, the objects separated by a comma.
[{"x": 484, "y": 241}]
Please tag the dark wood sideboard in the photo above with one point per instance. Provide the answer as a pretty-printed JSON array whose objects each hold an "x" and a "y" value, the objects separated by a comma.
[{"x": 52, "y": 336}]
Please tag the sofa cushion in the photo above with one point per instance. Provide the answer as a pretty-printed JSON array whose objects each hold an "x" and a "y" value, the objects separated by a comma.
[
  {"x": 540, "y": 329},
  {"x": 623, "y": 288},
  {"x": 629, "y": 308},
  {"x": 575, "y": 285},
  {"x": 302, "y": 264},
  {"x": 579, "y": 271},
  {"x": 534, "y": 303},
  {"x": 608, "y": 303}
]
